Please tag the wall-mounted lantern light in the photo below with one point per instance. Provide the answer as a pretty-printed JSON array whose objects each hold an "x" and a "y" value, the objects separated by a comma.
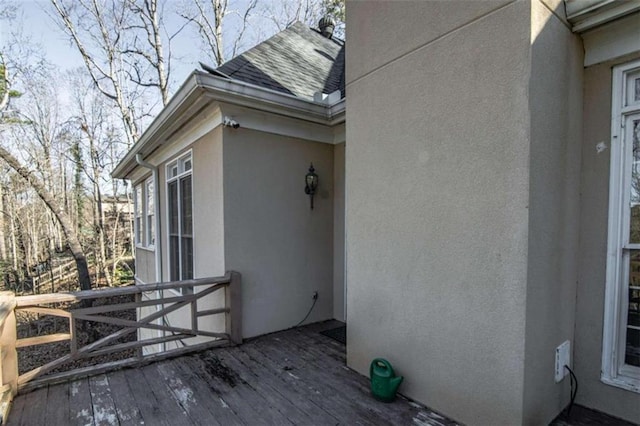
[{"x": 311, "y": 183}]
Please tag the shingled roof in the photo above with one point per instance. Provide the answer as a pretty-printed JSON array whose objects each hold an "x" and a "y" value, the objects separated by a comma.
[{"x": 299, "y": 61}]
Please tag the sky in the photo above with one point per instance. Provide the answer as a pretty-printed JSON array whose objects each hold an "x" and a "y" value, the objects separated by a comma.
[
  {"x": 187, "y": 48},
  {"x": 59, "y": 51}
]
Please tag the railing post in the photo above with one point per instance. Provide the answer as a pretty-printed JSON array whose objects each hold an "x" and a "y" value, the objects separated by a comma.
[
  {"x": 233, "y": 318},
  {"x": 8, "y": 353}
]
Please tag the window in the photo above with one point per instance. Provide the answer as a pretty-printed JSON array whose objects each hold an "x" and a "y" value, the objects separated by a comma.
[
  {"x": 180, "y": 222},
  {"x": 150, "y": 209},
  {"x": 621, "y": 338},
  {"x": 137, "y": 206}
]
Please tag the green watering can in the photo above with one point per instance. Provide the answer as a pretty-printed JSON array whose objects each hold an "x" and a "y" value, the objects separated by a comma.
[{"x": 384, "y": 383}]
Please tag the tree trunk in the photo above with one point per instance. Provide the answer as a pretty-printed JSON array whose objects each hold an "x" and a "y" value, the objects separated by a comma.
[{"x": 65, "y": 222}]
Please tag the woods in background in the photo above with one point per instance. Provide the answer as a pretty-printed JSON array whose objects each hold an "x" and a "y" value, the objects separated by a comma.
[{"x": 63, "y": 131}]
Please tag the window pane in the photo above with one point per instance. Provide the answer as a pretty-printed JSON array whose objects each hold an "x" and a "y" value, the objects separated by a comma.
[
  {"x": 138, "y": 230},
  {"x": 187, "y": 217},
  {"x": 151, "y": 230},
  {"x": 138, "y": 201},
  {"x": 174, "y": 262},
  {"x": 172, "y": 170},
  {"x": 633, "y": 89},
  {"x": 634, "y": 217},
  {"x": 185, "y": 164},
  {"x": 172, "y": 199},
  {"x": 150, "y": 197},
  {"x": 632, "y": 352},
  {"x": 187, "y": 258}
]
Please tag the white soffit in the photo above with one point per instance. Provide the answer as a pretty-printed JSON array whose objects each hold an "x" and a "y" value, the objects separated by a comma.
[
  {"x": 585, "y": 15},
  {"x": 613, "y": 40}
]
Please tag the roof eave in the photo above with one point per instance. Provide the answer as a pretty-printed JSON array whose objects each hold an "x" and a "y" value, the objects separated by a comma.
[
  {"x": 590, "y": 14},
  {"x": 200, "y": 84},
  {"x": 189, "y": 91}
]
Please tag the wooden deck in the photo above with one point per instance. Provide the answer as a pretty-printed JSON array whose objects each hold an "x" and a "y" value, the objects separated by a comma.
[{"x": 292, "y": 377}]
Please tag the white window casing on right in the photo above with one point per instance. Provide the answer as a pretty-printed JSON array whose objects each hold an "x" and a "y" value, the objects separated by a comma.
[{"x": 621, "y": 335}]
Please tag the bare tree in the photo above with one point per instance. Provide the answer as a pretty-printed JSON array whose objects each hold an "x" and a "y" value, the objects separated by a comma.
[
  {"x": 98, "y": 31},
  {"x": 208, "y": 17},
  {"x": 14, "y": 59},
  {"x": 67, "y": 225},
  {"x": 283, "y": 14}
]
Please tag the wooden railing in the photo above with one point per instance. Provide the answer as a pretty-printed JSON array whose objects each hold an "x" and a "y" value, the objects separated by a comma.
[
  {"x": 57, "y": 274},
  {"x": 8, "y": 355},
  {"x": 77, "y": 308}
]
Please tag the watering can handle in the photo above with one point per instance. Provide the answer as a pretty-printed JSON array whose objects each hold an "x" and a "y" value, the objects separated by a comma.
[{"x": 381, "y": 363}]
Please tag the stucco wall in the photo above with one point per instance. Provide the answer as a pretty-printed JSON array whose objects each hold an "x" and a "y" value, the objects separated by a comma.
[
  {"x": 283, "y": 249},
  {"x": 386, "y": 30},
  {"x": 555, "y": 104},
  {"x": 338, "y": 233},
  {"x": 594, "y": 188},
  {"x": 437, "y": 194}
]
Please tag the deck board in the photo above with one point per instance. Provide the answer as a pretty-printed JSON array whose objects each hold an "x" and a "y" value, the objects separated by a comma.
[
  {"x": 57, "y": 411},
  {"x": 255, "y": 361},
  {"x": 168, "y": 405},
  {"x": 184, "y": 395},
  {"x": 104, "y": 409},
  {"x": 128, "y": 411},
  {"x": 145, "y": 398},
  {"x": 206, "y": 397},
  {"x": 35, "y": 408},
  {"x": 80, "y": 408},
  {"x": 293, "y": 377}
]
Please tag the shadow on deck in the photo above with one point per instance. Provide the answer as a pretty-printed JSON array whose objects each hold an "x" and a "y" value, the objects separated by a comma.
[{"x": 296, "y": 376}]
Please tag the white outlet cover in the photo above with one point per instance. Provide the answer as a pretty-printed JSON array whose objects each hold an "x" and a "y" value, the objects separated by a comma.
[{"x": 563, "y": 357}]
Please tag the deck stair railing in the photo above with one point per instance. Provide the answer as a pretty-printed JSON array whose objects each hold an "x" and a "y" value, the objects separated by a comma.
[{"x": 164, "y": 302}]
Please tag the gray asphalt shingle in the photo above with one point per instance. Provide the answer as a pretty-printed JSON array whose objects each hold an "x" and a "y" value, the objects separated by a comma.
[{"x": 298, "y": 61}]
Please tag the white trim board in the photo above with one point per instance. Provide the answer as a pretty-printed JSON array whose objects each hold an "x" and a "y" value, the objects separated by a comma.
[{"x": 613, "y": 40}]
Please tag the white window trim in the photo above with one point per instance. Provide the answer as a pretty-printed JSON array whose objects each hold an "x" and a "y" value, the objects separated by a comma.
[
  {"x": 177, "y": 159},
  {"x": 149, "y": 223},
  {"x": 138, "y": 212},
  {"x": 614, "y": 371}
]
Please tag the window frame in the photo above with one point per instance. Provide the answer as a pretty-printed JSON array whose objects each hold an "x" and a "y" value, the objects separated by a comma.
[
  {"x": 614, "y": 370},
  {"x": 149, "y": 216},
  {"x": 179, "y": 162},
  {"x": 138, "y": 217}
]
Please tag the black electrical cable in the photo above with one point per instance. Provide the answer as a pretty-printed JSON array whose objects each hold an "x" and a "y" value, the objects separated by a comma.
[
  {"x": 574, "y": 391},
  {"x": 315, "y": 298}
]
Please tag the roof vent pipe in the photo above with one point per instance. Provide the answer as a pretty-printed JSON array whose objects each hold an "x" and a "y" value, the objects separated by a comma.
[{"x": 326, "y": 26}]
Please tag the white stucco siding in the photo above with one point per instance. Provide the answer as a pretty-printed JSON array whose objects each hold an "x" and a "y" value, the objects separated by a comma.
[
  {"x": 338, "y": 233},
  {"x": 555, "y": 103},
  {"x": 283, "y": 249},
  {"x": 437, "y": 193},
  {"x": 387, "y": 30}
]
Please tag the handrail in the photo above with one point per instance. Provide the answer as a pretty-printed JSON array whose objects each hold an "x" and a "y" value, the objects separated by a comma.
[
  {"x": 40, "y": 304},
  {"x": 76, "y": 296},
  {"x": 8, "y": 354}
]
